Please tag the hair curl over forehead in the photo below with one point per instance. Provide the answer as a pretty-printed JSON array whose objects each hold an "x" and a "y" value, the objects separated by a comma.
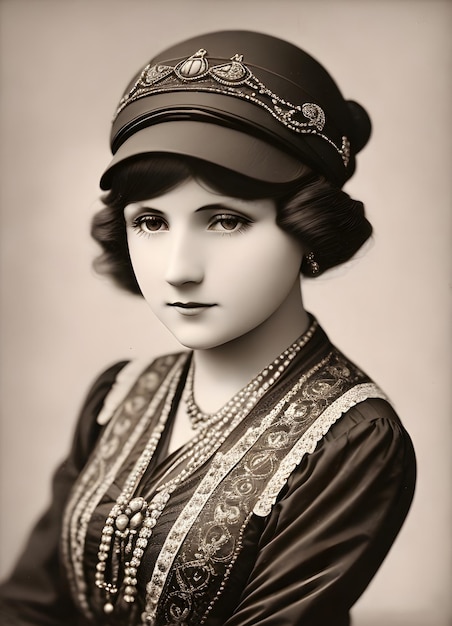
[{"x": 321, "y": 216}]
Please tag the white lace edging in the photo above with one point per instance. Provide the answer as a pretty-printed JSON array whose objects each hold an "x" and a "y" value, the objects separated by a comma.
[{"x": 308, "y": 442}]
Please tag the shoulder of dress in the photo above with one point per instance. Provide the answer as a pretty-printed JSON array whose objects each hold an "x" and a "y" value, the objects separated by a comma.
[{"x": 127, "y": 377}]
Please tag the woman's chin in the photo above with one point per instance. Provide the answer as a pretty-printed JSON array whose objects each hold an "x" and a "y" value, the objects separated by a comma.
[{"x": 198, "y": 339}]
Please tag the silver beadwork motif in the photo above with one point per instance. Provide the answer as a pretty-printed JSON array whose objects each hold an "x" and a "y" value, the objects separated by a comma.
[{"x": 233, "y": 78}]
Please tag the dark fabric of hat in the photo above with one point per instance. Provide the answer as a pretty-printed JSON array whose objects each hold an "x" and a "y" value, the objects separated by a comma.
[{"x": 243, "y": 100}]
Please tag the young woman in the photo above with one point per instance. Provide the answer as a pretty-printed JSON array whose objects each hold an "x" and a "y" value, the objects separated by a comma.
[{"x": 258, "y": 477}]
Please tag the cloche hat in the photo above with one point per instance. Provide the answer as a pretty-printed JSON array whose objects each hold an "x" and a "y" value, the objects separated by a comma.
[{"x": 243, "y": 100}]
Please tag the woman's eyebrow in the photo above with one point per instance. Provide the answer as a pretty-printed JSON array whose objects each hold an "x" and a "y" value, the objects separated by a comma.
[
  {"x": 143, "y": 208},
  {"x": 219, "y": 206}
]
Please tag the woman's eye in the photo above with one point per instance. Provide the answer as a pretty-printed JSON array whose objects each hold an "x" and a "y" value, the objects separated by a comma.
[
  {"x": 150, "y": 224},
  {"x": 228, "y": 224}
]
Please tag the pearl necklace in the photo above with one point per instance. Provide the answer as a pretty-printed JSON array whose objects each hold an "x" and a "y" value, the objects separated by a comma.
[
  {"x": 129, "y": 526},
  {"x": 264, "y": 380}
]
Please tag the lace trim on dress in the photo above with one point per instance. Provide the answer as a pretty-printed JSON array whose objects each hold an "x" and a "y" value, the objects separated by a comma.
[{"x": 308, "y": 442}]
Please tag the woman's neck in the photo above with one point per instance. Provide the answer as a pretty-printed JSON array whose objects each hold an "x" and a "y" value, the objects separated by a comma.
[{"x": 222, "y": 371}]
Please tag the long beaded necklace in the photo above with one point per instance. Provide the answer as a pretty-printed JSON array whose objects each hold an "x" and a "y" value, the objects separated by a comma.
[{"x": 129, "y": 526}]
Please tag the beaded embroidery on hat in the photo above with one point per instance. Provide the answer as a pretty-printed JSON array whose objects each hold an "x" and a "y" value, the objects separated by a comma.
[{"x": 232, "y": 78}]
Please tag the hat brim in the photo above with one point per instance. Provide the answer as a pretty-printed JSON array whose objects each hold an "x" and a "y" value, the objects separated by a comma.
[{"x": 219, "y": 145}]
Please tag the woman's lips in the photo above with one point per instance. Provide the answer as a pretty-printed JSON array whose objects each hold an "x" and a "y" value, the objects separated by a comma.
[
  {"x": 190, "y": 305},
  {"x": 190, "y": 308}
]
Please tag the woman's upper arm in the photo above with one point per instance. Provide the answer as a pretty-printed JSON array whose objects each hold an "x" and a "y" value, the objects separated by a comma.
[
  {"x": 333, "y": 526},
  {"x": 35, "y": 593}
]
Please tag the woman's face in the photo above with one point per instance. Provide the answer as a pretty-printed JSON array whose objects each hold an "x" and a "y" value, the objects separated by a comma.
[{"x": 211, "y": 267}]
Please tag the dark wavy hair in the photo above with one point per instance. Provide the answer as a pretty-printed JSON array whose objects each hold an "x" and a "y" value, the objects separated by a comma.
[{"x": 321, "y": 216}]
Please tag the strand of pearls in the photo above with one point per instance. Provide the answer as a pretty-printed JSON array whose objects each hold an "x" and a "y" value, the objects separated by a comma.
[
  {"x": 264, "y": 380},
  {"x": 127, "y": 514}
]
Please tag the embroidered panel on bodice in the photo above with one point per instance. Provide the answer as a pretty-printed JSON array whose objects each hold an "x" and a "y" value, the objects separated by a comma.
[{"x": 244, "y": 480}]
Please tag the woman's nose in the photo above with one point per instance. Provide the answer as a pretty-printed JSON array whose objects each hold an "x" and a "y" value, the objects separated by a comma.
[{"x": 184, "y": 264}]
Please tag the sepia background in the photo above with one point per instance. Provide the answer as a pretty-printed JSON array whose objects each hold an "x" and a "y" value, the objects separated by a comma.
[{"x": 64, "y": 64}]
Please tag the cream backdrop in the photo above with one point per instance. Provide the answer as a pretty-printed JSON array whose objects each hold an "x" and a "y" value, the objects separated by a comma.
[{"x": 64, "y": 64}]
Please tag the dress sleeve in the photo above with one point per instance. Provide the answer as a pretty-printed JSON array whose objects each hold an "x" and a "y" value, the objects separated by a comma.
[
  {"x": 329, "y": 532},
  {"x": 35, "y": 593}
]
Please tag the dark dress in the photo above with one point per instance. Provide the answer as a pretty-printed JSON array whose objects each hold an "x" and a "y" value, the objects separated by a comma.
[{"x": 284, "y": 525}]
